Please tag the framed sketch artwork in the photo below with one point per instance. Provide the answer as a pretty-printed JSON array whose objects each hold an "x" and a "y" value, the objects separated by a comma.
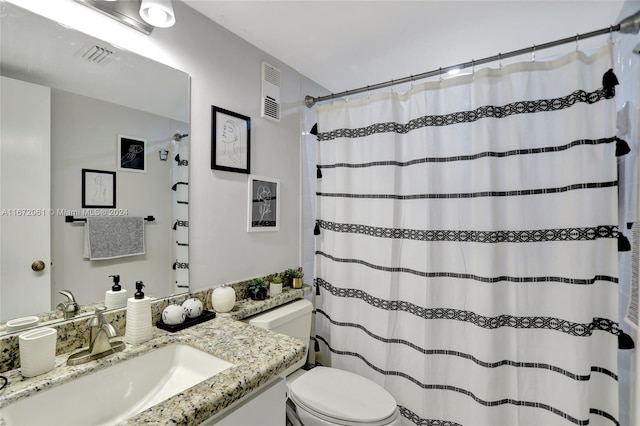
[
  {"x": 264, "y": 204},
  {"x": 132, "y": 154},
  {"x": 98, "y": 189},
  {"x": 230, "y": 141}
]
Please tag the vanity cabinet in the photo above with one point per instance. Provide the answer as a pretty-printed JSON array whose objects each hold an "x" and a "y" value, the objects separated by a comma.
[{"x": 266, "y": 406}]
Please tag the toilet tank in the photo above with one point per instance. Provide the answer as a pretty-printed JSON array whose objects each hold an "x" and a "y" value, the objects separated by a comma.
[{"x": 292, "y": 319}]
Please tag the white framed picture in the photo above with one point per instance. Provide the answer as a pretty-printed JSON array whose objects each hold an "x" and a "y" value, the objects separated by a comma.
[
  {"x": 132, "y": 154},
  {"x": 263, "y": 204}
]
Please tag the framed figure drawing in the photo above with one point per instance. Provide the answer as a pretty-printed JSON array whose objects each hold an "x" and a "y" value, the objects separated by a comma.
[
  {"x": 98, "y": 189},
  {"x": 132, "y": 154},
  {"x": 264, "y": 204},
  {"x": 230, "y": 141}
]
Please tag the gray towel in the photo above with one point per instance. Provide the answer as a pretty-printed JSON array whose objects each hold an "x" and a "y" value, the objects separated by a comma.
[
  {"x": 634, "y": 297},
  {"x": 113, "y": 237}
]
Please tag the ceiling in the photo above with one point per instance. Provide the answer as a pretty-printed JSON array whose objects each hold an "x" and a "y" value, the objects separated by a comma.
[{"x": 344, "y": 45}]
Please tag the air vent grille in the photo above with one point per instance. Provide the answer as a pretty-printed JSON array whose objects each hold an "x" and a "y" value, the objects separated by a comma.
[
  {"x": 271, "y": 82},
  {"x": 271, "y": 75},
  {"x": 271, "y": 108},
  {"x": 95, "y": 54}
]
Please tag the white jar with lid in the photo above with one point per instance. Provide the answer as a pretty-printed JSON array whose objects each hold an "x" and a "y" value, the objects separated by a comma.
[{"x": 223, "y": 298}]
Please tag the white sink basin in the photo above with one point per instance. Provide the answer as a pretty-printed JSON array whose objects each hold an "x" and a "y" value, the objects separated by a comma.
[{"x": 116, "y": 393}]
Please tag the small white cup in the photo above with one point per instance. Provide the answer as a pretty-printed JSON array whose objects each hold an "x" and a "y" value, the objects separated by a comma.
[
  {"x": 37, "y": 351},
  {"x": 275, "y": 288}
]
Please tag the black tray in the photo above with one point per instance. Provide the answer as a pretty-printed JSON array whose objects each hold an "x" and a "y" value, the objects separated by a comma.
[{"x": 204, "y": 316}]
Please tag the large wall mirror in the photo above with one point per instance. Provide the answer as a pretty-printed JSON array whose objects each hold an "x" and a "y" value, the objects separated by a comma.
[{"x": 75, "y": 112}]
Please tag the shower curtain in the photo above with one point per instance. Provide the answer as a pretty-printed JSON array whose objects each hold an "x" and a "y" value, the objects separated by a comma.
[{"x": 466, "y": 249}]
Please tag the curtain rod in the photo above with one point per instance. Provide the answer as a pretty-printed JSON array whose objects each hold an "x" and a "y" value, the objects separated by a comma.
[{"x": 629, "y": 25}]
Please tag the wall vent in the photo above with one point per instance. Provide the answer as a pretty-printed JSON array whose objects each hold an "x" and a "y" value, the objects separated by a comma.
[
  {"x": 94, "y": 54},
  {"x": 271, "y": 83}
]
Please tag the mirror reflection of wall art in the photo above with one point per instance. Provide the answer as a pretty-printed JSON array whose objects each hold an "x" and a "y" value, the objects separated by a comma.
[
  {"x": 264, "y": 204},
  {"x": 98, "y": 189},
  {"x": 230, "y": 141},
  {"x": 132, "y": 153}
]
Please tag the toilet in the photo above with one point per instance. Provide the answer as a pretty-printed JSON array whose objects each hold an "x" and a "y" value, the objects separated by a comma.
[{"x": 325, "y": 396}]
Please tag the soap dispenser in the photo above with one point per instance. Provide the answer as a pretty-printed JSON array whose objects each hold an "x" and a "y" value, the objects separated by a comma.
[
  {"x": 116, "y": 297},
  {"x": 138, "y": 327}
]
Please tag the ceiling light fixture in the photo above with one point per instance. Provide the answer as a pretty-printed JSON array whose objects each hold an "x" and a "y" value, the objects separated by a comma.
[
  {"x": 158, "y": 13},
  {"x": 126, "y": 12}
]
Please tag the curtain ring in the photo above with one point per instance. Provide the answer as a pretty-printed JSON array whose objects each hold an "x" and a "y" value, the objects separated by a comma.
[
  {"x": 473, "y": 67},
  {"x": 500, "y": 60},
  {"x": 440, "y": 74},
  {"x": 533, "y": 54},
  {"x": 611, "y": 34},
  {"x": 577, "y": 38}
]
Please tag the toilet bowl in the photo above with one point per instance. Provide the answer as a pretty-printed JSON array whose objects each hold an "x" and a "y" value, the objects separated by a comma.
[{"x": 325, "y": 396}]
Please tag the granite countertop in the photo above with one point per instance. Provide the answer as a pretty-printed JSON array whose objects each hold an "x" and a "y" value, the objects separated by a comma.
[{"x": 258, "y": 356}]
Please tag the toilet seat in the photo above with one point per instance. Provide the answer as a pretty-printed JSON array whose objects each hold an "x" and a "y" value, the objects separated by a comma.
[{"x": 343, "y": 398}]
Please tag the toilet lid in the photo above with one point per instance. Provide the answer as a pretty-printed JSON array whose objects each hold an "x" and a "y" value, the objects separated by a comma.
[{"x": 342, "y": 395}]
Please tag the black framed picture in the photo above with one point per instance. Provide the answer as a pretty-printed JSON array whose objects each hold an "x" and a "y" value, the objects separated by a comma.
[
  {"x": 98, "y": 189},
  {"x": 263, "y": 204},
  {"x": 132, "y": 154},
  {"x": 230, "y": 141}
]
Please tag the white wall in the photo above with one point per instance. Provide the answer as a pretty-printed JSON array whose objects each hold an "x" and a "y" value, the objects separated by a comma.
[{"x": 225, "y": 72}]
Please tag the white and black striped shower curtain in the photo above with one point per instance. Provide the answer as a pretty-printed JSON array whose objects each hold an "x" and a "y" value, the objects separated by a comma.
[
  {"x": 467, "y": 254},
  {"x": 180, "y": 177}
]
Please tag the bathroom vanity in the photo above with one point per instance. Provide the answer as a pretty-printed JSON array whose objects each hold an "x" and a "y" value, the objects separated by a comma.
[{"x": 258, "y": 357}]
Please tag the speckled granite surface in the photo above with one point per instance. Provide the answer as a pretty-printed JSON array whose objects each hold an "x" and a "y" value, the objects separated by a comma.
[{"x": 258, "y": 355}]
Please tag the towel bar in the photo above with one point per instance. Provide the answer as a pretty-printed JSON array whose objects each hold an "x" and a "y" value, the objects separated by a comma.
[{"x": 70, "y": 219}]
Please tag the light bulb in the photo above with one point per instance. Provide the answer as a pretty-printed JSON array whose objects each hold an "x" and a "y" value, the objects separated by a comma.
[{"x": 158, "y": 13}]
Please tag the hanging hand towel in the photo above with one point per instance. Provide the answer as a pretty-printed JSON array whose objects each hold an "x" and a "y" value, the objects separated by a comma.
[{"x": 113, "y": 237}]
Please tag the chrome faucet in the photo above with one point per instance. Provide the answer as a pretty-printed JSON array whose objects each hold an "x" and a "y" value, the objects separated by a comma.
[
  {"x": 100, "y": 343},
  {"x": 69, "y": 307}
]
